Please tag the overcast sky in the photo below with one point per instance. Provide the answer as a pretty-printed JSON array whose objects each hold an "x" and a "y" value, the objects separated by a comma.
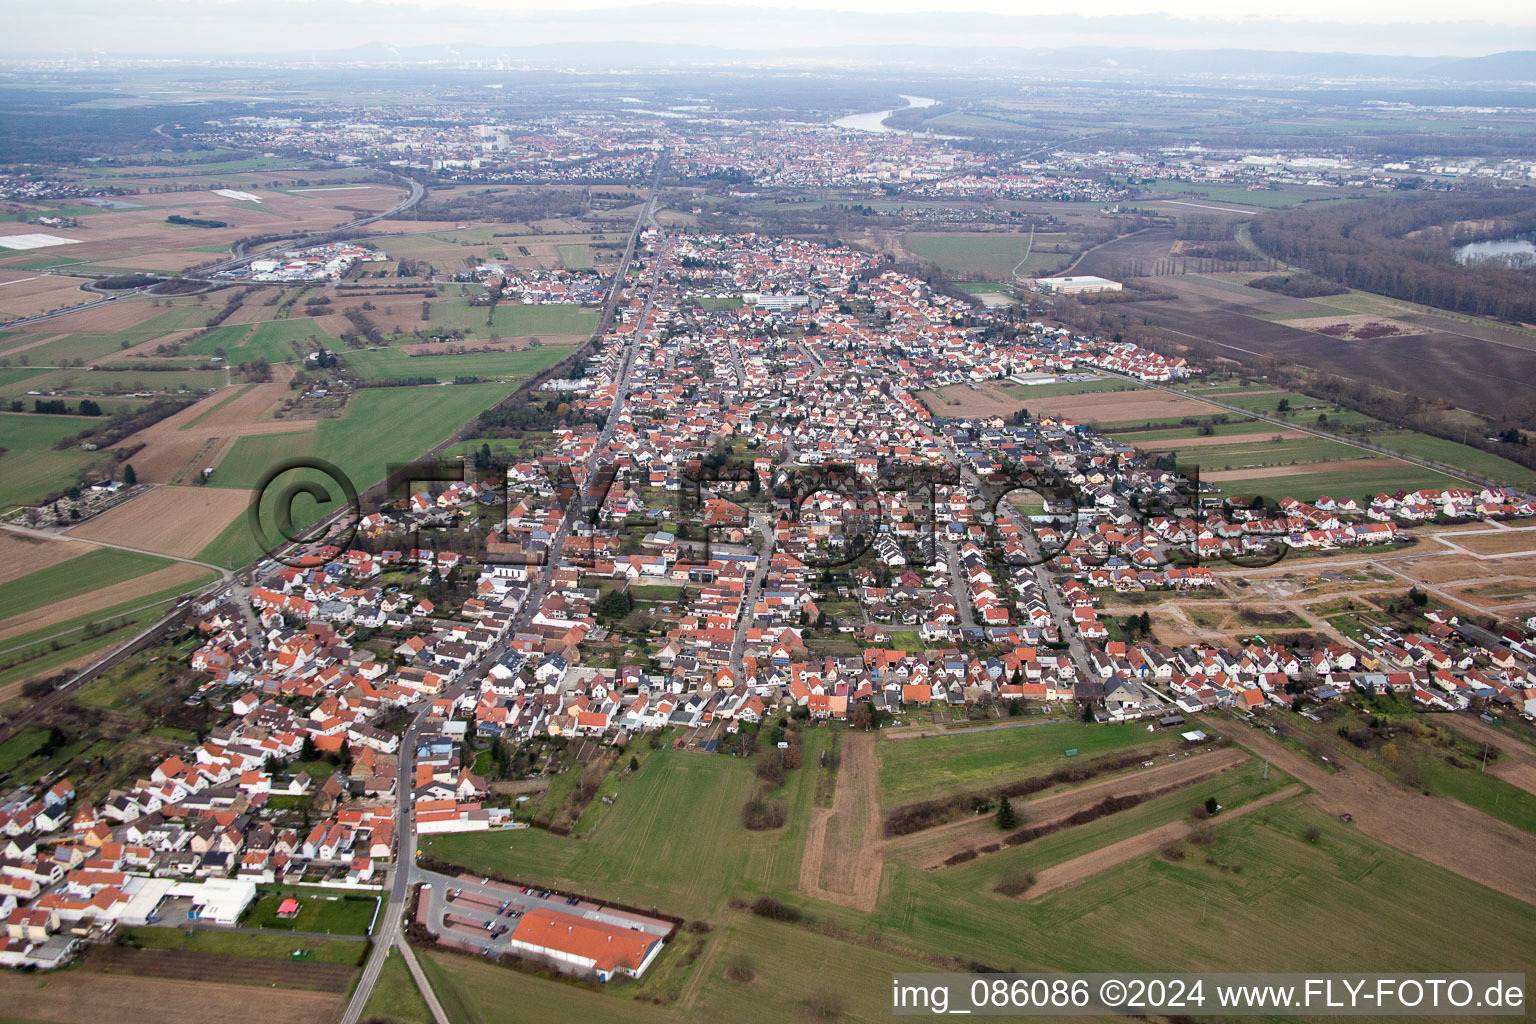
[{"x": 198, "y": 27}]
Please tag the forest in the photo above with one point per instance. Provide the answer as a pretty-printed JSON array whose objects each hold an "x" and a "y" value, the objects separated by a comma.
[{"x": 1404, "y": 247}]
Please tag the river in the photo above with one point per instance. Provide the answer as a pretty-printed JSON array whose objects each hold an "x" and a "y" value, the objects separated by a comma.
[{"x": 874, "y": 121}]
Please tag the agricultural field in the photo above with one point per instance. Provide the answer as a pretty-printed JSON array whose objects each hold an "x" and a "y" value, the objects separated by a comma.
[
  {"x": 75, "y": 641},
  {"x": 1358, "y": 478},
  {"x": 515, "y": 320},
  {"x": 1272, "y": 870},
  {"x": 1004, "y": 397},
  {"x": 1281, "y": 198},
  {"x": 90, "y": 571},
  {"x": 178, "y": 521},
  {"x": 920, "y": 767},
  {"x": 141, "y": 238},
  {"x": 1464, "y": 356},
  {"x": 673, "y": 833},
  {"x": 100, "y": 991},
  {"x": 394, "y": 364},
  {"x": 272, "y": 341},
  {"x": 990, "y": 255},
  {"x": 380, "y": 426},
  {"x": 31, "y": 468}
]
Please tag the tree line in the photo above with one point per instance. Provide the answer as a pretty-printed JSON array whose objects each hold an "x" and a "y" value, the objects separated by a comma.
[{"x": 1404, "y": 247}]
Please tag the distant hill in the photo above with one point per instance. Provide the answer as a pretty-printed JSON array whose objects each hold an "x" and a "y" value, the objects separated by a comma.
[{"x": 1513, "y": 66}]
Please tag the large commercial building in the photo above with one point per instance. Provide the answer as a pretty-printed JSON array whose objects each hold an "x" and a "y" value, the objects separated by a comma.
[
  {"x": 584, "y": 944},
  {"x": 1075, "y": 285}
]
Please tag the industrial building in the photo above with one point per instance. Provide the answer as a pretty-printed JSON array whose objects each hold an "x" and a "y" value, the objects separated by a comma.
[{"x": 1074, "y": 285}]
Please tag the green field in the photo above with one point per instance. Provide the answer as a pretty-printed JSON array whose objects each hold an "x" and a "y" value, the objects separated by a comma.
[
  {"x": 1169, "y": 436},
  {"x": 395, "y": 997},
  {"x": 30, "y": 468},
  {"x": 45, "y": 649},
  {"x": 985, "y": 254},
  {"x": 380, "y": 426},
  {"x": 502, "y": 447},
  {"x": 575, "y": 257},
  {"x": 269, "y": 341},
  {"x": 912, "y": 769},
  {"x": 394, "y": 364},
  {"x": 1285, "y": 452},
  {"x": 1025, "y": 392},
  {"x": 515, "y": 320},
  {"x": 1356, "y": 483},
  {"x": 1258, "y": 891},
  {"x": 672, "y": 839},
  {"x": 90, "y": 571},
  {"x": 319, "y": 911},
  {"x": 1450, "y": 453},
  {"x": 20, "y": 747},
  {"x": 1263, "y": 198}
]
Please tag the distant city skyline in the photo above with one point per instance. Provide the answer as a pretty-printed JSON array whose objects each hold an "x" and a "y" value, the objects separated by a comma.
[{"x": 192, "y": 28}]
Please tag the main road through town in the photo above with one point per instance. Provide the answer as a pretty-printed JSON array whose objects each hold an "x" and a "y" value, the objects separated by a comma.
[{"x": 406, "y": 873}]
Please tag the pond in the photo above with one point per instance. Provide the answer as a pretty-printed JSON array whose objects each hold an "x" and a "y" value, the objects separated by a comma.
[{"x": 1515, "y": 252}]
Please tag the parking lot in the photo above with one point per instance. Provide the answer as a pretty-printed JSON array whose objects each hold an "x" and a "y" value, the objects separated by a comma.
[{"x": 483, "y": 913}]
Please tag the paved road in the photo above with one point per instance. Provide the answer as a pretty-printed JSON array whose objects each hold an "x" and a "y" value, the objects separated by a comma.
[
  {"x": 406, "y": 872},
  {"x": 417, "y": 193},
  {"x": 240, "y": 257},
  {"x": 387, "y": 931},
  {"x": 750, "y": 595}
]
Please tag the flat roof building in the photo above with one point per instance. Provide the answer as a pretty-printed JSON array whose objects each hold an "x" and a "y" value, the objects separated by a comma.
[{"x": 1075, "y": 285}]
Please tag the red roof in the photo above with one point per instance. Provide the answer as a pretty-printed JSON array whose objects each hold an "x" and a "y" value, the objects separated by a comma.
[{"x": 607, "y": 946}]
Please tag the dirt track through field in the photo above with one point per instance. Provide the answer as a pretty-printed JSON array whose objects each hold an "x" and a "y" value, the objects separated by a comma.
[
  {"x": 843, "y": 858},
  {"x": 1339, "y": 466},
  {"x": 1516, "y": 764},
  {"x": 1179, "y": 443},
  {"x": 1442, "y": 831},
  {"x": 181, "y": 445},
  {"x": 1059, "y": 876},
  {"x": 932, "y": 847},
  {"x": 103, "y": 598}
]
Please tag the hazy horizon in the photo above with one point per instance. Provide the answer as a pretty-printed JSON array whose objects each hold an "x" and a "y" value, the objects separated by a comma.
[{"x": 295, "y": 28}]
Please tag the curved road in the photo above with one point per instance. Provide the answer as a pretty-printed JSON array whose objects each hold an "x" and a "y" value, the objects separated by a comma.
[{"x": 417, "y": 194}]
